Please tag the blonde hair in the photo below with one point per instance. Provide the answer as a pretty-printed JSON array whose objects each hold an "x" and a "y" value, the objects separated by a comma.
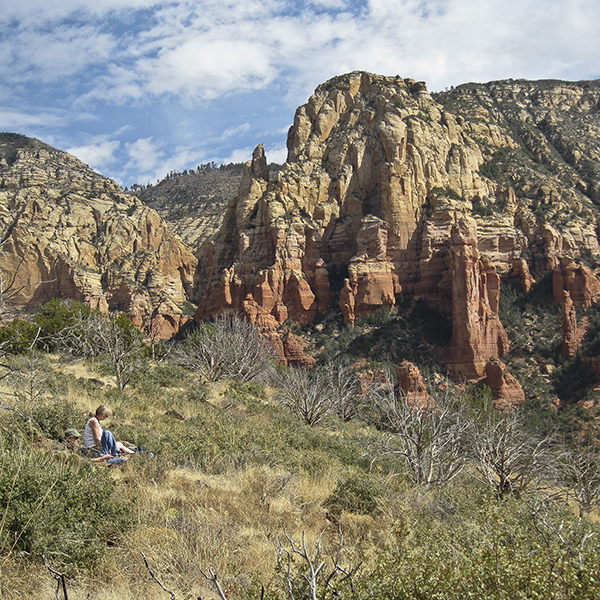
[{"x": 103, "y": 411}]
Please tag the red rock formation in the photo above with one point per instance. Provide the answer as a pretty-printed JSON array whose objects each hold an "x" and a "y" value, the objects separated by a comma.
[
  {"x": 347, "y": 296},
  {"x": 165, "y": 326},
  {"x": 477, "y": 333},
  {"x": 411, "y": 384},
  {"x": 572, "y": 335},
  {"x": 257, "y": 315},
  {"x": 294, "y": 353},
  {"x": 520, "y": 272},
  {"x": 507, "y": 392},
  {"x": 381, "y": 179},
  {"x": 577, "y": 279},
  {"x": 321, "y": 286},
  {"x": 370, "y": 377},
  {"x": 371, "y": 274},
  {"x": 289, "y": 350}
]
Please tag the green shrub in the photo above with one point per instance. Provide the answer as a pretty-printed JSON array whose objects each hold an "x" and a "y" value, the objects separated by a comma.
[
  {"x": 55, "y": 315},
  {"x": 376, "y": 319},
  {"x": 58, "y": 505},
  {"x": 53, "y": 418},
  {"x": 18, "y": 336},
  {"x": 476, "y": 548},
  {"x": 360, "y": 494}
]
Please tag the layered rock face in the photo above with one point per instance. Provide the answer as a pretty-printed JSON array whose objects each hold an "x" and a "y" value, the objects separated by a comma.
[
  {"x": 368, "y": 156},
  {"x": 69, "y": 232},
  {"x": 477, "y": 333},
  {"x": 380, "y": 177}
]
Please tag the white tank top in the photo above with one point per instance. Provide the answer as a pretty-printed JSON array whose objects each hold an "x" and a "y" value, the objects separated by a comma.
[{"x": 88, "y": 434}]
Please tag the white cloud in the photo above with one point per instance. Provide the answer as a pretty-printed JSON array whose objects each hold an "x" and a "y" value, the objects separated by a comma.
[
  {"x": 207, "y": 68},
  {"x": 16, "y": 120},
  {"x": 235, "y": 131},
  {"x": 97, "y": 155},
  {"x": 36, "y": 11},
  {"x": 169, "y": 58},
  {"x": 276, "y": 155},
  {"x": 202, "y": 50},
  {"x": 239, "y": 155},
  {"x": 144, "y": 154}
]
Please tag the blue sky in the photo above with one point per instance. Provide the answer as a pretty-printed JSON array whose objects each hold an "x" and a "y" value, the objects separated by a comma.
[{"x": 137, "y": 88}]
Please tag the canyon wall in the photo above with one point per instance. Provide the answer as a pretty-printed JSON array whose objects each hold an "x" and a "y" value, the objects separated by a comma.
[
  {"x": 68, "y": 232},
  {"x": 381, "y": 186}
]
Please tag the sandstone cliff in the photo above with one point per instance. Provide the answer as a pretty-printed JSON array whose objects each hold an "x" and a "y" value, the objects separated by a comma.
[
  {"x": 68, "y": 232},
  {"x": 379, "y": 176}
]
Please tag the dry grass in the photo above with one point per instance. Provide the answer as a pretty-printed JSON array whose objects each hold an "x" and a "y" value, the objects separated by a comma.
[{"x": 188, "y": 520}]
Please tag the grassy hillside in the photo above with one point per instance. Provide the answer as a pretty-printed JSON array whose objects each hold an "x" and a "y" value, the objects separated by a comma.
[{"x": 241, "y": 485}]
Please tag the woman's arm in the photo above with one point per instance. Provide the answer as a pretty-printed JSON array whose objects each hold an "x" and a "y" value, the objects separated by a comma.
[
  {"x": 95, "y": 427},
  {"x": 102, "y": 458}
]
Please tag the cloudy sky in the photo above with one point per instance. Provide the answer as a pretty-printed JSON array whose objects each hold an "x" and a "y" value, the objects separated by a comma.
[{"x": 137, "y": 88}]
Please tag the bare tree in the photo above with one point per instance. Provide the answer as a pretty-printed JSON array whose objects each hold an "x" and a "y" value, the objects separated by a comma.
[
  {"x": 580, "y": 473},
  {"x": 571, "y": 536},
  {"x": 312, "y": 575},
  {"x": 430, "y": 437},
  {"x": 508, "y": 458},
  {"x": 226, "y": 348},
  {"x": 28, "y": 378},
  {"x": 113, "y": 336},
  {"x": 344, "y": 389},
  {"x": 306, "y": 393}
]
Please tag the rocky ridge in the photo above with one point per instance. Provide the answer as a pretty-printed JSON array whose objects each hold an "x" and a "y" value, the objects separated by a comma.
[
  {"x": 193, "y": 203},
  {"x": 385, "y": 183},
  {"x": 69, "y": 232}
]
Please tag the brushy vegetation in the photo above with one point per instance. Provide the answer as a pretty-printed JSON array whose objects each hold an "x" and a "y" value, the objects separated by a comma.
[{"x": 280, "y": 506}]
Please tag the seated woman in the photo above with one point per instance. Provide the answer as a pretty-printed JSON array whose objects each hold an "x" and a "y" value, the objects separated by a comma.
[{"x": 100, "y": 441}]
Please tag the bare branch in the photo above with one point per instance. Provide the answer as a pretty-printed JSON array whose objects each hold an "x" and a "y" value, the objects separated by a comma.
[
  {"x": 305, "y": 393},
  {"x": 580, "y": 473},
  {"x": 94, "y": 334},
  {"x": 60, "y": 579},
  {"x": 229, "y": 347},
  {"x": 168, "y": 591},
  {"x": 430, "y": 438},
  {"x": 508, "y": 458},
  {"x": 213, "y": 578},
  {"x": 310, "y": 577}
]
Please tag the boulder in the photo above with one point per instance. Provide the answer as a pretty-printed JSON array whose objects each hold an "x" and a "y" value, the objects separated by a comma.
[
  {"x": 411, "y": 384},
  {"x": 507, "y": 392}
]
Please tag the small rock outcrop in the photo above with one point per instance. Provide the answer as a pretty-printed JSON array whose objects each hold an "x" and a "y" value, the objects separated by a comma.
[
  {"x": 521, "y": 273},
  {"x": 347, "y": 303},
  {"x": 411, "y": 384},
  {"x": 576, "y": 279},
  {"x": 507, "y": 392},
  {"x": 570, "y": 343},
  {"x": 573, "y": 334}
]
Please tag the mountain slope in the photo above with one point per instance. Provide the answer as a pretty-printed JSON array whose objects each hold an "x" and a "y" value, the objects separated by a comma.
[
  {"x": 69, "y": 232},
  {"x": 443, "y": 198}
]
